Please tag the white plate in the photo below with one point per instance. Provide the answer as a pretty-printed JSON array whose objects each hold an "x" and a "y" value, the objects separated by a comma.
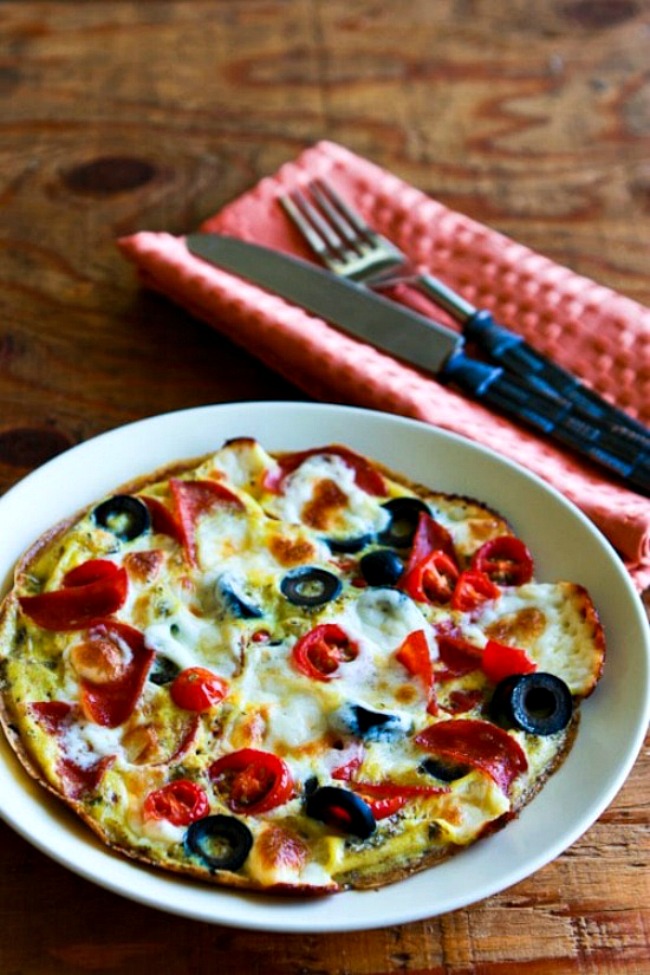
[{"x": 565, "y": 545}]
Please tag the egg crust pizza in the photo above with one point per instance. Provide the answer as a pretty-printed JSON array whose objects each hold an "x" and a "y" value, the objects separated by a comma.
[{"x": 292, "y": 672}]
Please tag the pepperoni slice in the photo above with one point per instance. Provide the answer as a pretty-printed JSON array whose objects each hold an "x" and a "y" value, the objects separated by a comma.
[
  {"x": 193, "y": 499},
  {"x": 479, "y": 744},
  {"x": 365, "y": 475},
  {"x": 110, "y": 702},
  {"x": 95, "y": 588}
]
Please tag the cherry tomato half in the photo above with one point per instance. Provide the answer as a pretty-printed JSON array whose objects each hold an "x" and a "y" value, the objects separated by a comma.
[
  {"x": 505, "y": 559},
  {"x": 319, "y": 653},
  {"x": 181, "y": 802},
  {"x": 252, "y": 781},
  {"x": 198, "y": 689}
]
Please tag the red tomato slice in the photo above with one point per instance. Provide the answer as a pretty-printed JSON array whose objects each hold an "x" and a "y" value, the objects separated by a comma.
[
  {"x": 198, "y": 689},
  {"x": 500, "y": 660},
  {"x": 506, "y": 560},
  {"x": 319, "y": 653},
  {"x": 95, "y": 589},
  {"x": 432, "y": 579},
  {"x": 252, "y": 781},
  {"x": 479, "y": 744},
  {"x": 472, "y": 589},
  {"x": 180, "y": 802}
]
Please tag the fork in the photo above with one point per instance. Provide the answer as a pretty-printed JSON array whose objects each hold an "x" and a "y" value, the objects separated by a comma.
[{"x": 348, "y": 246}]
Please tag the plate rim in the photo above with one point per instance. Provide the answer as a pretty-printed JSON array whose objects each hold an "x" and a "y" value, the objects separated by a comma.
[{"x": 265, "y": 912}]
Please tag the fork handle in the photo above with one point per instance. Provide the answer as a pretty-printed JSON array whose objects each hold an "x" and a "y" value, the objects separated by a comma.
[
  {"x": 510, "y": 350},
  {"x": 551, "y": 416}
]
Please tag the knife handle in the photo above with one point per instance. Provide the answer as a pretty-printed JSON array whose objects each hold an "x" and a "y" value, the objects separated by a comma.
[
  {"x": 508, "y": 349},
  {"x": 552, "y": 416}
]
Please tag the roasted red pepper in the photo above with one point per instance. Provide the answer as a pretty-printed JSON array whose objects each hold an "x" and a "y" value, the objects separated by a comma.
[{"x": 500, "y": 660}]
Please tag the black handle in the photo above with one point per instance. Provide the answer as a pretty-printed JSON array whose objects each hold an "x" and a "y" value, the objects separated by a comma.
[
  {"x": 551, "y": 416},
  {"x": 510, "y": 350}
]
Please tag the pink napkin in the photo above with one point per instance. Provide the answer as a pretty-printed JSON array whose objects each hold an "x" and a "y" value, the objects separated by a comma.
[{"x": 601, "y": 336}]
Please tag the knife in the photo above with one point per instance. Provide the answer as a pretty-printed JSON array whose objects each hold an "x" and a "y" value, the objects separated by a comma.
[{"x": 425, "y": 343}]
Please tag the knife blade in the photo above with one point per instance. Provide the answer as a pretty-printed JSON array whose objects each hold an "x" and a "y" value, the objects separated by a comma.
[{"x": 423, "y": 342}]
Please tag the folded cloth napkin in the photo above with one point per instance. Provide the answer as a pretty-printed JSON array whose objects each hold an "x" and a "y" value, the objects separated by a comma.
[{"x": 599, "y": 335}]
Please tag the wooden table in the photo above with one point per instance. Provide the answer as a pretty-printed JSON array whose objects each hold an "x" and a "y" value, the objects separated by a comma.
[{"x": 120, "y": 115}]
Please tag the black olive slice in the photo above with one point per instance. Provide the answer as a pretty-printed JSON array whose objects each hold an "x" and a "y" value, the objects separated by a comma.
[
  {"x": 349, "y": 545},
  {"x": 362, "y": 722},
  {"x": 383, "y": 567},
  {"x": 237, "y": 601},
  {"x": 404, "y": 516},
  {"x": 163, "y": 670},
  {"x": 444, "y": 769},
  {"x": 342, "y": 810},
  {"x": 222, "y": 842},
  {"x": 310, "y": 586},
  {"x": 538, "y": 703},
  {"x": 125, "y": 516}
]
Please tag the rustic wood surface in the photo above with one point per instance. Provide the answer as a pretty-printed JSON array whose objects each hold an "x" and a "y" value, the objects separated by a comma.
[{"x": 116, "y": 115}]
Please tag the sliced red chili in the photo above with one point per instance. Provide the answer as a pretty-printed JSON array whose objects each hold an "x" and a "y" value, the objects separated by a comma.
[
  {"x": 198, "y": 689},
  {"x": 320, "y": 653},
  {"x": 472, "y": 589},
  {"x": 432, "y": 579},
  {"x": 252, "y": 781},
  {"x": 96, "y": 588},
  {"x": 500, "y": 660},
  {"x": 505, "y": 559},
  {"x": 180, "y": 802}
]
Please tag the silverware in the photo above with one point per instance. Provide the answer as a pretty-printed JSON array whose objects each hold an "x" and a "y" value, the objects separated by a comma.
[
  {"x": 348, "y": 246},
  {"x": 427, "y": 344}
]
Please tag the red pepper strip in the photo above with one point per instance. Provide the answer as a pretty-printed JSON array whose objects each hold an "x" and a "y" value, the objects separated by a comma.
[
  {"x": 472, "y": 589},
  {"x": 193, "y": 499},
  {"x": 345, "y": 772},
  {"x": 252, "y": 781},
  {"x": 430, "y": 536},
  {"x": 180, "y": 802},
  {"x": 500, "y": 660},
  {"x": 415, "y": 656},
  {"x": 505, "y": 560},
  {"x": 110, "y": 704},
  {"x": 479, "y": 744},
  {"x": 319, "y": 653},
  {"x": 432, "y": 579},
  {"x": 96, "y": 588},
  {"x": 365, "y": 475}
]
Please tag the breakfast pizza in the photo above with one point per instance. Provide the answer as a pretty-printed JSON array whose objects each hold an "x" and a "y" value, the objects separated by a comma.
[{"x": 291, "y": 672}]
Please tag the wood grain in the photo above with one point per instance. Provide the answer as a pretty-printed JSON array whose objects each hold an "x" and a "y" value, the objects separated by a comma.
[{"x": 531, "y": 116}]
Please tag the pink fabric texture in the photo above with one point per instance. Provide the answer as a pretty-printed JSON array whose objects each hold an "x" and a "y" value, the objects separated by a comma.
[{"x": 601, "y": 336}]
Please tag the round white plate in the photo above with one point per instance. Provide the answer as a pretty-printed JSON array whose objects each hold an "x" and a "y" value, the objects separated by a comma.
[{"x": 565, "y": 546}]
